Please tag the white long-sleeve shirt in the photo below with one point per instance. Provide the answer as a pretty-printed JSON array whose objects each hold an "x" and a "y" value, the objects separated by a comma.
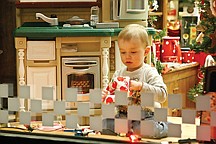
[{"x": 152, "y": 81}]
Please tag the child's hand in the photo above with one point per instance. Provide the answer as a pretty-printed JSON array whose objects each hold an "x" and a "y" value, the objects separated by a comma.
[{"x": 135, "y": 85}]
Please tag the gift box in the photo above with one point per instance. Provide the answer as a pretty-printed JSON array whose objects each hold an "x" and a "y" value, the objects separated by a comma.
[
  {"x": 188, "y": 56},
  {"x": 118, "y": 83},
  {"x": 109, "y": 99}
]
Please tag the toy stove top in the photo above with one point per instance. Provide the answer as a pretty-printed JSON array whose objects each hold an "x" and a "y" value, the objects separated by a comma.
[{"x": 84, "y": 26}]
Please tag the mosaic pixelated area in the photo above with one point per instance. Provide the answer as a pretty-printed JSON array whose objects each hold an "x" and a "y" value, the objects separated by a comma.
[{"x": 50, "y": 110}]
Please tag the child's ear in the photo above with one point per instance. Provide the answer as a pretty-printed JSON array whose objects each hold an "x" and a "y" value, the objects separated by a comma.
[{"x": 147, "y": 50}]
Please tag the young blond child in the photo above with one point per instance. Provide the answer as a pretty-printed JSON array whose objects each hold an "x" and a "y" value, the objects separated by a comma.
[{"x": 134, "y": 47}]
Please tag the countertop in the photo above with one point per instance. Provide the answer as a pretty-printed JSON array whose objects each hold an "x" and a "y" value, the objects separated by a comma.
[
  {"x": 41, "y": 30},
  {"x": 173, "y": 67}
]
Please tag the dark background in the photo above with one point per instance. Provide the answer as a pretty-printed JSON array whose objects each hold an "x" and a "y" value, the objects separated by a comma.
[{"x": 8, "y": 57}]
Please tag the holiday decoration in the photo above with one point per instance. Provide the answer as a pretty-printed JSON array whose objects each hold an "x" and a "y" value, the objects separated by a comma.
[
  {"x": 118, "y": 83},
  {"x": 205, "y": 43},
  {"x": 207, "y": 26}
]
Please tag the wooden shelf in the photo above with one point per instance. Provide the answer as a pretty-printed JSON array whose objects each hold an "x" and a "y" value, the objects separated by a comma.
[{"x": 57, "y": 4}]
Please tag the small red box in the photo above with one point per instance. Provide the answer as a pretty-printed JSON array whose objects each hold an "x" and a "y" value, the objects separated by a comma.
[{"x": 188, "y": 56}]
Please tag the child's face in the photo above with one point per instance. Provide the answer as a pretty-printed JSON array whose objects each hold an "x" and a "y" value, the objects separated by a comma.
[{"x": 132, "y": 53}]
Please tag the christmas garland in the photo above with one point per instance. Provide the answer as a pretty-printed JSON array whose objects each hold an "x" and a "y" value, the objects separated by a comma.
[{"x": 195, "y": 91}]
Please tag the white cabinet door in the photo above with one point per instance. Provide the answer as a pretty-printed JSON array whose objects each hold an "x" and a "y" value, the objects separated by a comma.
[
  {"x": 38, "y": 77},
  {"x": 41, "y": 50}
]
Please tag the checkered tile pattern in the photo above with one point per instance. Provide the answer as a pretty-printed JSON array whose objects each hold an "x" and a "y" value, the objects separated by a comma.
[{"x": 84, "y": 110}]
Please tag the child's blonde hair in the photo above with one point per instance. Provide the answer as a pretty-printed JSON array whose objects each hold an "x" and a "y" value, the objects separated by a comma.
[{"x": 134, "y": 31}]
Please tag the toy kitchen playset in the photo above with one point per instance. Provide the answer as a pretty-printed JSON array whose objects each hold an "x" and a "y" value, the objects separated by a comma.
[{"x": 77, "y": 49}]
